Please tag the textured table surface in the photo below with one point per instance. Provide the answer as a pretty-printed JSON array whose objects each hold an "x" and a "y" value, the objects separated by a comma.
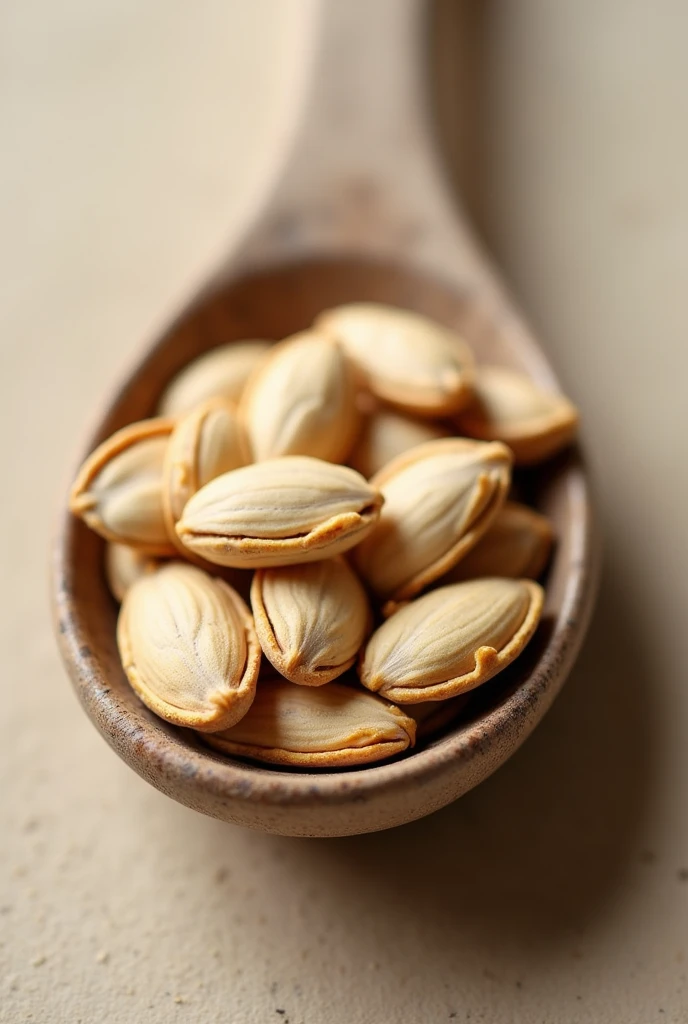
[{"x": 137, "y": 139}]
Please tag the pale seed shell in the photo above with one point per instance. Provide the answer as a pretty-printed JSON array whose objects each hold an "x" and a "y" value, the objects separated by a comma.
[
  {"x": 440, "y": 498},
  {"x": 517, "y": 546},
  {"x": 279, "y": 512},
  {"x": 124, "y": 565},
  {"x": 451, "y": 640},
  {"x": 329, "y": 726},
  {"x": 404, "y": 358},
  {"x": 220, "y": 373},
  {"x": 301, "y": 401},
  {"x": 118, "y": 490},
  {"x": 386, "y": 434},
  {"x": 509, "y": 407},
  {"x": 205, "y": 443},
  {"x": 311, "y": 620},
  {"x": 189, "y": 647}
]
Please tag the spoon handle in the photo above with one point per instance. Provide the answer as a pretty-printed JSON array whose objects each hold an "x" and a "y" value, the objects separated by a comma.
[
  {"x": 363, "y": 176},
  {"x": 362, "y": 172}
]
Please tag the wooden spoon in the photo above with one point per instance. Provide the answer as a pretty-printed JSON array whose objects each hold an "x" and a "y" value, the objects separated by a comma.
[{"x": 360, "y": 212}]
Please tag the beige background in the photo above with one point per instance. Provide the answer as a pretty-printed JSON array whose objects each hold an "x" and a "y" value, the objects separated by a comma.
[{"x": 137, "y": 140}]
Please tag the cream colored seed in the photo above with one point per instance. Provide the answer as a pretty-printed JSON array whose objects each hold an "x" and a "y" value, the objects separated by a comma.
[
  {"x": 317, "y": 727},
  {"x": 118, "y": 490},
  {"x": 386, "y": 434},
  {"x": 517, "y": 545},
  {"x": 440, "y": 498},
  {"x": 310, "y": 619},
  {"x": 205, "y": 443},
  {"x": 189, "y": 648},
  {"x": 124, "y": 565},
  {"x": 509, "y": 407},
  {"x": 301, "y": 401},
  {"x": 451, "y": 640},
  {"x": 404, "y": 358},
  {"x": 220, "y": 373},
  {"x": 279, "y": 512}
]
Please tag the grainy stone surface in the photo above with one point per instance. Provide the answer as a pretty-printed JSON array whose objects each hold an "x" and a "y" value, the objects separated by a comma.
[{"x": 558, "y": 890}]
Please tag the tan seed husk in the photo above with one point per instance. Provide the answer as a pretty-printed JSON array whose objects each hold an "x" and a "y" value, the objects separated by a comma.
[
  {"x": 451, "y": 640},
  {"x": 189, "y": 647},
  {"x": 509, "y": 407},
  {"x": 118, "y": 490},
  {"x": 384, "y": 435},
  {"x": 331, "y": 726},
  {"x": 220, "y": 373},
  {"x": 301, "y": 401},
  {"x": 124, "y": 565},
  {"x": 205, "y": 443},
  {"x": 279, "y": 512},
  {"x": 517, "y": 546},
  {"x": 440, "y": 498},
  {"x": 404, "y": 358},
  {"x": 311, "y": 620}
]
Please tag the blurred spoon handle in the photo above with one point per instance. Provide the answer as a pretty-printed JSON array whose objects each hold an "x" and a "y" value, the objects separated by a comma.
[{"x": 363, "y": 172}]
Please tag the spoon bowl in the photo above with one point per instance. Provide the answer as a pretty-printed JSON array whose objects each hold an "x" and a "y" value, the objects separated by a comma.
[{"x": 313, "y": 248}]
